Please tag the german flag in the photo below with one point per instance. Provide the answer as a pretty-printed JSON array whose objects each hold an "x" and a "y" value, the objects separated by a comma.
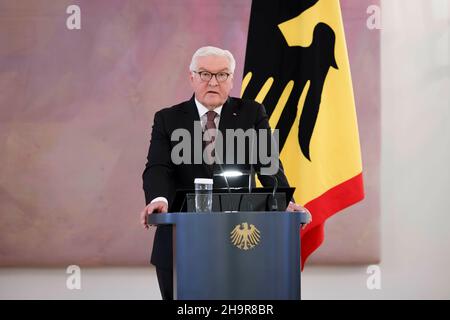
[{"x": 297, "y": 65}]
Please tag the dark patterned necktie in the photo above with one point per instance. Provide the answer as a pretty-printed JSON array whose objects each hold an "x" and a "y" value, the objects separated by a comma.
[{"x": 210, "y": 132}]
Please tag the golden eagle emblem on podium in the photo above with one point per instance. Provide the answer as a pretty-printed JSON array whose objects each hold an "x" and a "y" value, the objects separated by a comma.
[{"x": 245, "y": 237}]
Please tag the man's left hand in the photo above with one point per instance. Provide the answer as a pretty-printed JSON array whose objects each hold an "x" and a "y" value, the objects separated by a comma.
[{"x": 296, "y": 207}]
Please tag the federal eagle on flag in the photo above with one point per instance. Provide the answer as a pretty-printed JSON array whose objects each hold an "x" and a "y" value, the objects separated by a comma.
[{"x": 297, "y": 65}]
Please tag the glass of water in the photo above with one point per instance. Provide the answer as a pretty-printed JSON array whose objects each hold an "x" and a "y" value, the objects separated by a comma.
[{"x": 203, "y": 194}]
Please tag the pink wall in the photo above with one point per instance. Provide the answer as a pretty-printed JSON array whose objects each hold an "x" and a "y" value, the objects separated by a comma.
[{"x": 76, "y": 108}]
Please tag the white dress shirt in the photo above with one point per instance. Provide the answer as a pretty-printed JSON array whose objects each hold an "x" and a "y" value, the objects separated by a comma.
[{"x": 202, "y": 110}]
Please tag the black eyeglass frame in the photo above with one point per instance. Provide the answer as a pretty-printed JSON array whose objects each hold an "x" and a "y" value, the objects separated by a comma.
[{"x": 209, "y": 75}]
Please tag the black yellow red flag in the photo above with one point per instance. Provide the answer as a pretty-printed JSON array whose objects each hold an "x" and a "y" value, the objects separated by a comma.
[{"x": 297, "y": 65}]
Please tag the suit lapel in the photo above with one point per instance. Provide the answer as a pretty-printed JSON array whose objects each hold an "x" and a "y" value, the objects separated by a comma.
[
  {"x": 191, "y": 114},
  {"x": 228, "y": 120},
  {"x": 228, "y": 116}
]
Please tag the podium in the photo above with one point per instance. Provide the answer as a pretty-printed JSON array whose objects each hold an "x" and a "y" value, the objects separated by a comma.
[{"x": 235, "y": 256}]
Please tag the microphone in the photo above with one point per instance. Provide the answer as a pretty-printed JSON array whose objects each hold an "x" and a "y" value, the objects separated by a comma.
[
  {"x": 250, "y": 177},
  {"x": 216, "y": 156},
  {"x": 224, "y": 173},
  {"x": 280, "y": 168},
  {"x": 272, "y": 202}
]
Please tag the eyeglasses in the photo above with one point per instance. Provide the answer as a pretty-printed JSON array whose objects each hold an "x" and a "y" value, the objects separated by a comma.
[{"x": 207, "y": 76}]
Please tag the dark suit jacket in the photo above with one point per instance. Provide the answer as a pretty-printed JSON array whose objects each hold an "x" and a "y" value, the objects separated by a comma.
[{"x": 162, "y": 177}]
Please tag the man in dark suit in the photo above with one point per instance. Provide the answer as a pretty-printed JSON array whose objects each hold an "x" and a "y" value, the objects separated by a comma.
[{"x": 211, "y": 77}]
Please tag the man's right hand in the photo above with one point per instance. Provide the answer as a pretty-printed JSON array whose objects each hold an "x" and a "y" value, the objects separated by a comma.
[{"x": 154, "y": 207}]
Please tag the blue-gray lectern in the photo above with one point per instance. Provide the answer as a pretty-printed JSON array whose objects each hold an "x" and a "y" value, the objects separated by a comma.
[{"x": 240, "y": 255}]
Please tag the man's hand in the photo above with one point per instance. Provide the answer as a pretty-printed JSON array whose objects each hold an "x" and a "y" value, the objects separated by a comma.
[
  {"x": 155, "y": 207},
  {"x": 296, "y": 207}
]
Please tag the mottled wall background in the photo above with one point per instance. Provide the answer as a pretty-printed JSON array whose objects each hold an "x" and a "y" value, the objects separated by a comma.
[{"x": 76, "y": 109}]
